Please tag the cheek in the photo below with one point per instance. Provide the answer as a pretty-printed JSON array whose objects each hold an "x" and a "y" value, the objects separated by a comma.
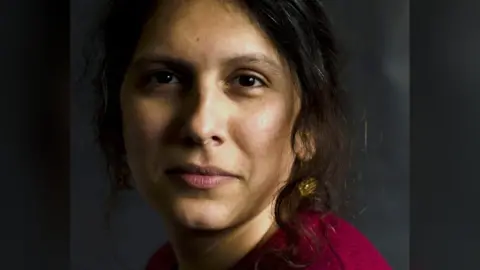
[
  {"x": 144, "y": 119},
  {"x": 265, "y": 134},
  {"x": 144, "y": 123},
  {"x": 269, "y": 125}
]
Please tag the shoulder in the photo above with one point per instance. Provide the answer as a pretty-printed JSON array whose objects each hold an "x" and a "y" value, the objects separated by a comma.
[{"x": 346, "y": 246}]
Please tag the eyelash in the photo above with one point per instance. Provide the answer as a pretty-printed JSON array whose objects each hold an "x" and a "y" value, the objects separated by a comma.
[
  {"x": 250, "y": 76},
  {"x": 258, "y": 82},
  {"x": 153, "y": 76}
]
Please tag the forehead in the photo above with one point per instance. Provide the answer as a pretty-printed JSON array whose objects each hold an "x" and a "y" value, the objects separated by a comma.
[{"x": 203, "y": 30}]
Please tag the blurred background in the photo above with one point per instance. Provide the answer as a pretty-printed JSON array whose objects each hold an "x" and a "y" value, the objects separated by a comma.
[{"x": 374, "y": 36}]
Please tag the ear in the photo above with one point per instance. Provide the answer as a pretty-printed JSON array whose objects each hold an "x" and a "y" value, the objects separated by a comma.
[{"x": 304, "y": 146}]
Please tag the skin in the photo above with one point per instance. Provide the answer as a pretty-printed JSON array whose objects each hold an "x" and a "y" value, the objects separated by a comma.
[{"x": 243, "y": 109}]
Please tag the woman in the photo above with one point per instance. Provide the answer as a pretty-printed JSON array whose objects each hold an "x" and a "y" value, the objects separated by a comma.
[{"x": 228, "y": 118}]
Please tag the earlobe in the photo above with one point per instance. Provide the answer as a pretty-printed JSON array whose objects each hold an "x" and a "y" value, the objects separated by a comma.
[{"x": 304, "y": 146}]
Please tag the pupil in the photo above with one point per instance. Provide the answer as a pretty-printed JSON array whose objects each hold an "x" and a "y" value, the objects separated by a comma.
[
  {"x": 164, "y": 77},
  {"x": 246, "y": 80}
]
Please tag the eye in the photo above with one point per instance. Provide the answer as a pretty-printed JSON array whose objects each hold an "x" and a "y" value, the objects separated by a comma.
[
  {"x": 163, "y": 77},
  {"x": 248, "y": 81}
]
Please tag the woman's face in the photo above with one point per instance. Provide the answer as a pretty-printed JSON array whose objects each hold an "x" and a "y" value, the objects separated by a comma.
[{"x": 207, "y": 88}]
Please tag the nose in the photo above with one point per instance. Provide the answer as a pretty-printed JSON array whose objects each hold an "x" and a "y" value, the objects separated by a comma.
[{"x": 204, "y": 121}]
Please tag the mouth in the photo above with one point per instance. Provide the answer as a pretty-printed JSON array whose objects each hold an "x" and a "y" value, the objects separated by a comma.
[{"x": 201, "y": 177}]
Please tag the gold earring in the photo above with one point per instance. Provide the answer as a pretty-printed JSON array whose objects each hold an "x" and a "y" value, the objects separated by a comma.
[{"x": 307, "y": 187}]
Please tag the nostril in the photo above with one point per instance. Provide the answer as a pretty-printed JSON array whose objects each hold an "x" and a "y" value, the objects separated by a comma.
[{"x": 216, "y": 139}]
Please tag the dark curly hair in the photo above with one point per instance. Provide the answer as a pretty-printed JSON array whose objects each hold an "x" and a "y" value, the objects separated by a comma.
[{"x": 303, "y": 35}]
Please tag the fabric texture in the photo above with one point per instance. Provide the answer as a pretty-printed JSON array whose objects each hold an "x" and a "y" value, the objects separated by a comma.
[{"x": 337, "y": 246}]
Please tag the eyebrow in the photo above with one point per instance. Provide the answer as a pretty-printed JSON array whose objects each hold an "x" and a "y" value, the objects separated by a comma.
[
  {"x": 260, "y": 59},
  {"x": 179, "y": 63},
  {"x": 153, "y": 58}
]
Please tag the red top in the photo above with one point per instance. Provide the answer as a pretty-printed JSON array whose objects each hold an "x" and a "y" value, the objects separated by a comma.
[{"x": 341, "y": 247}]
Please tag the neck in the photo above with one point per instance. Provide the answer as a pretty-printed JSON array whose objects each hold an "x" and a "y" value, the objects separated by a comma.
[{"x": 221, "y": 250}]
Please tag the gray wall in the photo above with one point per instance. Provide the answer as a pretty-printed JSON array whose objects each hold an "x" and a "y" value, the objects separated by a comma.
[{"x": 374, "y": 35}]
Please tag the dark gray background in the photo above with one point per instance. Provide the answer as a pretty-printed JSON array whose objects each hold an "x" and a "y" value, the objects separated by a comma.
[{"x": 375, "y": 37}]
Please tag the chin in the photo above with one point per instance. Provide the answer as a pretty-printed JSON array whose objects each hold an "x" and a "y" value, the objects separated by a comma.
[{"x": 202, "y": 214}]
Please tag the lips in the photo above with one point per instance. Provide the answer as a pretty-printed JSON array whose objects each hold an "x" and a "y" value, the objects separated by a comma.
[{"x": 201, "y": 177}]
